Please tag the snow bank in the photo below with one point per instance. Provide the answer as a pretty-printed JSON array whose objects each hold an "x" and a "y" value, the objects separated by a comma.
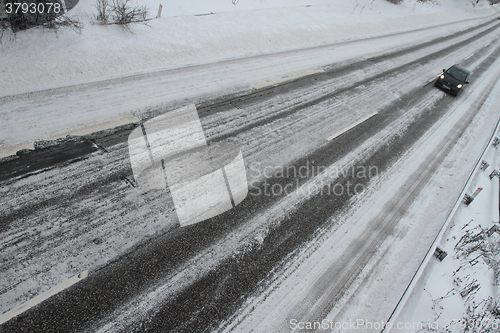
[{"x": 461, "y": 292}]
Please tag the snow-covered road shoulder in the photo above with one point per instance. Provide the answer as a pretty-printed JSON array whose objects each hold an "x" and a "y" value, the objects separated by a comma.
[{"x": 462, "y": 289}]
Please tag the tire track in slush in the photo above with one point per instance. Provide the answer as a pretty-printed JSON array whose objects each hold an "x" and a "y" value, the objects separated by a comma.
[
  {"x": 211, "y": 298},
  {"x": 105, "y": 289},
  {"x": 219, "y": 294},
  {"x": 75, "y": 148},
  {"x": 334, "y": 282}
]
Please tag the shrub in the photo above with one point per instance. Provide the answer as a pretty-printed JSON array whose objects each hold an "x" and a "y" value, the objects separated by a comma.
[
  {"x": 120, "y": 12},
  {"x": 22, "y": 15}
]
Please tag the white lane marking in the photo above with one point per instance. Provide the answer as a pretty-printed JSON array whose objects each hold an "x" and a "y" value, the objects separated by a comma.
[
  {"x": 470, "y": 56},
  {"x": 448, "y": 35},
  {"x": 42, "y": 297},
  {"x": 285, "y": 78},
  {"x": 351, "y": 126}
]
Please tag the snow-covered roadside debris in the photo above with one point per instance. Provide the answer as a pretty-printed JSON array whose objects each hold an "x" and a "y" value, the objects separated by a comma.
[{"x": 461, "y": 292}]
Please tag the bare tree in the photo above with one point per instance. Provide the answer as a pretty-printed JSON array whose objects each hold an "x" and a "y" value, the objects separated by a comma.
[
  {"x": 65, "y": 21},
  {"x": 478, "y": 244},
  {"x": 124, "y": 13}
]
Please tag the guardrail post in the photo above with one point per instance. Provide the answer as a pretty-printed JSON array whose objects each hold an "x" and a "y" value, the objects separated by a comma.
[
  {"x": 496, "y": 142},
  {"x": 160, "y": 7},
  {"x": 469, "y": 198},
  {"x": 440, "y": 253}
]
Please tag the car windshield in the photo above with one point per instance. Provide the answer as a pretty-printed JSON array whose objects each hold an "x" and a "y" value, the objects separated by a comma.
[{"x": 457, "y": 74}]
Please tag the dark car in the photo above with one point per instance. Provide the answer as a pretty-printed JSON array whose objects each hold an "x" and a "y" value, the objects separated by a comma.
[{"x": 453, "y": 79}]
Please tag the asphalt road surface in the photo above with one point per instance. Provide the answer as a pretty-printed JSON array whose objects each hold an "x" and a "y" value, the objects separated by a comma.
[{"x": 77, "y": 198}]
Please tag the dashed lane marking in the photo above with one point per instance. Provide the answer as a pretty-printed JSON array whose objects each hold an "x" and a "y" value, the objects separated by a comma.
[{"x": 351, "y": 126}]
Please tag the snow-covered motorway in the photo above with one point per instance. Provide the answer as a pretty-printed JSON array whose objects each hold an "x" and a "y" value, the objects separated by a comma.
[{"x": 62, "y": 214}]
